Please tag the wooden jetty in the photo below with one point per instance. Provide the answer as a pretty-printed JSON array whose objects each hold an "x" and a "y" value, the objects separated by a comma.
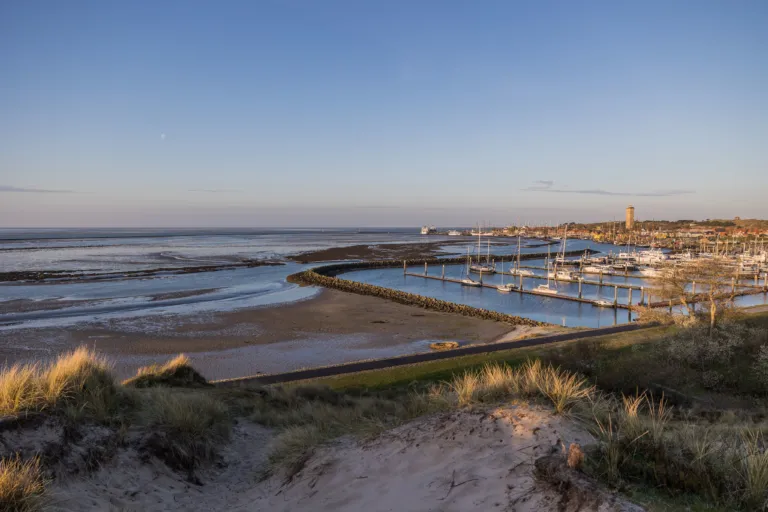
[
  {"x": 645, "y": 295},
  {"x": 519, "y": 289}
]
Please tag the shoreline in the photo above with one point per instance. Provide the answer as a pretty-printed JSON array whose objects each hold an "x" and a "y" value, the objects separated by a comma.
[{"x": 332, "y": 327}]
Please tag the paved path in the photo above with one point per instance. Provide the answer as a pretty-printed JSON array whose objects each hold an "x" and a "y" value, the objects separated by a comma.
[{"x": 378, "y": 364}]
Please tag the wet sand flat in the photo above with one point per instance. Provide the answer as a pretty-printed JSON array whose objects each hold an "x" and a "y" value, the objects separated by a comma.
[{"x": 332, "y": 327}]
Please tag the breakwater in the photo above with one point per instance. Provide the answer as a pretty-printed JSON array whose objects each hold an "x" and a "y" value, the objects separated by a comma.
[{"x": 326, "y": 276}]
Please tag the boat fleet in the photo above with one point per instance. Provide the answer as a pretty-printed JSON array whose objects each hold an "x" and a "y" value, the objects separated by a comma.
[{"x": 645, "y": 262}]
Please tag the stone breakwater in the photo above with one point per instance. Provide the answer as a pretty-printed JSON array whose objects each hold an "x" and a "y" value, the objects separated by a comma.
[
  {"x": 410, "y": 299},
  {"x": 326, "y": 276}
]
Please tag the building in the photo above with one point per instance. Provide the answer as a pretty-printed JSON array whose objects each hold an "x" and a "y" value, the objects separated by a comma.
[{"x": 630, "y": 217}]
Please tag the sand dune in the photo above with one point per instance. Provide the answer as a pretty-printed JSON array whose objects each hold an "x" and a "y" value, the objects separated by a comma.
[{"x": 467, "y": 460}]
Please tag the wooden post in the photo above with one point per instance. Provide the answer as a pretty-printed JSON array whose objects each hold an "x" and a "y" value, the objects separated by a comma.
[
  {"x": 601, "y": 277},
  {"x": 443, "y": 276},
  {"x": 733, "y": 284},
  {"x": 642, "y": 296},
  {"x": 521, "y": 282},
  {"x": 615, "y": 296},
  {"x": 670, "y": 306},
  {"x": 756, "y": 279},
  {"x": 629, "y": 301},
  {"x": 404, "y": 268},
  {"x": 581, "y": 280},
  {"x": 693, "y": 290},
  {"x": 425, "y": 268}
]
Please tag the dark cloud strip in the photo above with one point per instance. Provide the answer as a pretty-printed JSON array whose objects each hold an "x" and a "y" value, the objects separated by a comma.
[
  {"x": 8, "y": 188},
  {"x": 210, "y": 190},
  {"x": 600, "y": 192}
]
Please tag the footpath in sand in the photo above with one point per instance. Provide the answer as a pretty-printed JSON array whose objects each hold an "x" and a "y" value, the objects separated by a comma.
[{"x": 458, "y": 461}]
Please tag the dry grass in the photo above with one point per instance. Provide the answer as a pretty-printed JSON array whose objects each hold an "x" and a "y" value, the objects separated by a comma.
[
  {"x": 755, "y": 470},
  {"x": 186, "y": 426},
  {"x": 21, "y": 485},
  {"x": 78, "y": 379},
  {"x": 177, "y": 372},
  {"x": 308, "y": 416},
  {"x": 499, "y": 381},
  {"x": 719, "y": 463}
]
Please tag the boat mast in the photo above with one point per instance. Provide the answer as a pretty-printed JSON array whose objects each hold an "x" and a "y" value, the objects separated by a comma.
[{"x": 548, "y": 254}]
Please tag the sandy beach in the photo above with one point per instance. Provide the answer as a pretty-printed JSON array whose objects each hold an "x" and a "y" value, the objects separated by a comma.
[{"x": 330, "y": 328}]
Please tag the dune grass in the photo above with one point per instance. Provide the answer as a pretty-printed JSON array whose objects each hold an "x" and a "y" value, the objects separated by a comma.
[
  {"x": 177, "y": 372},
  {"x": 79, "y": 379},
  {"x": 308, "y": 417},
  {"x": 22, "y": 485},
  {"x": 182, "y": 426},
  {"x": 641, "y": 443},
  {"x": 186, "y": 427}
]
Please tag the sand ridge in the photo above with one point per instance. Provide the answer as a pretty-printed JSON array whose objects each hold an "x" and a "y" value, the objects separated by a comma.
[{"x": 465, "y": 460}]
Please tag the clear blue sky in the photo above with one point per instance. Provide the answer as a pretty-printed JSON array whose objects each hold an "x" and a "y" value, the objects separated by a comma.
[{"x": 387, "y": 113}]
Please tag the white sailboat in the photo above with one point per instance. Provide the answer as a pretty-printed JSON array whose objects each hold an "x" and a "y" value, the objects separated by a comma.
[
  {"x": 505, "y": 288},
  {"x": 479, "y": 267},
  {"x": 545, "y": 288},
  {"x": 468, "y": 281},
  {"x": 517, "y": 271}
]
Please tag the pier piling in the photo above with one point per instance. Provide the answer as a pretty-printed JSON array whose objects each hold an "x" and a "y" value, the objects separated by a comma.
[
  {"x": 405, "y": 268},
  {"x": 425, "y": 268},
  {"x": 521, "y": 282},
  {"x": 629, "y": 300},
  {"x": 581, "y": 280},
  {"x": 615, "y": 296},
  {"x": 642, "y": 296},
  {"x": 443, "y": 276}
]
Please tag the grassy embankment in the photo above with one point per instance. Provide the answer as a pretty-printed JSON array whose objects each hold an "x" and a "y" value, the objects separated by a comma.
[{"x": 701, "y": 445}]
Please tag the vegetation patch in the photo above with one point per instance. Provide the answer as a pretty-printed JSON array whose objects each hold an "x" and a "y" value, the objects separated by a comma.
[
  {"x": 444, "y": 345},
  {"x": 177, "y": 372},
  {"x": 22, "y": 485},
  {"x": 78, "y": 382}
]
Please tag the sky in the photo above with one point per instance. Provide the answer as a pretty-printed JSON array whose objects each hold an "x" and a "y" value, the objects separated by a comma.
[{"x": 380, "y": 112}]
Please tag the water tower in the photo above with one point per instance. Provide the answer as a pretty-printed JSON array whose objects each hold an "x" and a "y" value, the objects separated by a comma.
[{"x": 630, "y": 217}]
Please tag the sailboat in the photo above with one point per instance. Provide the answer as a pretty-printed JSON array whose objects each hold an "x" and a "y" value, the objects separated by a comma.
[
  {"x": 468, "y": 281},
  {"x": 505, "y": 288},
  {"x": 479, "y": 267},
  {"x": 560, "y": 258},
  {"x": 545, "y": 288},
  {"x": 519, "y": 271}
]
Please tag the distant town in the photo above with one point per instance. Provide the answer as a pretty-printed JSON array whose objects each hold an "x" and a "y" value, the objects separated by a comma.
[{"x": 687, "y": 234}]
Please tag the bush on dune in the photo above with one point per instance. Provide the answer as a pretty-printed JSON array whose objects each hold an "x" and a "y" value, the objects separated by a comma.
[
  {"x": 186, "y": 427},
  {"x": 177, "y": 372}
]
